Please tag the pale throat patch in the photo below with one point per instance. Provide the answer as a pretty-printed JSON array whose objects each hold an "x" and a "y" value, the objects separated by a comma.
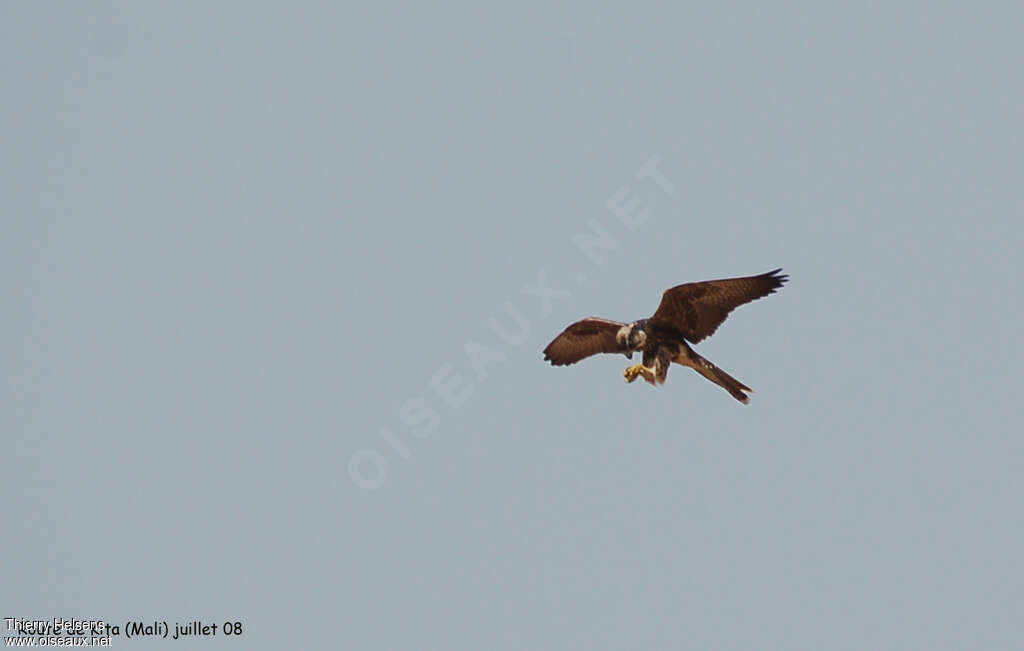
[{"x": 622, "y": 336}]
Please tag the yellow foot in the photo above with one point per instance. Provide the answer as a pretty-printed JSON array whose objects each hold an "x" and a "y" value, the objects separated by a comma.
[{"x": 636, "y": 370}]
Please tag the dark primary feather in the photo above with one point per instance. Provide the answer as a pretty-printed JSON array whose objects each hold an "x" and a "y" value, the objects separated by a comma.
[
  {"x": 695, "y": 310},
  {"x": 583, "y": 339}
]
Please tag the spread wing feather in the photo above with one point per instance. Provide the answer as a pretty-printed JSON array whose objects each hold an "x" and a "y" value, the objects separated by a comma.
[
  {"x": 695, "y": 310},
  {"x": 583, "y": 339}
]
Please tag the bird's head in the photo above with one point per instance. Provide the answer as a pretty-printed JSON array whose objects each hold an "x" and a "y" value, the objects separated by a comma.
[{"x": 631, "y": 337}]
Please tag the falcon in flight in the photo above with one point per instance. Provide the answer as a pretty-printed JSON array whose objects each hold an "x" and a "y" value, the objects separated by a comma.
[{"x": 688, "y": 313}]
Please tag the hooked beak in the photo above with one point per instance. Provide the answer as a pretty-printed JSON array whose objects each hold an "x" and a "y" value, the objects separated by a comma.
[{"x": 629, "y": 355}]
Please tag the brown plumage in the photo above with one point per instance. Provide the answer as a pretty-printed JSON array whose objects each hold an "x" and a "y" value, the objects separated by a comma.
[
  {"x": 696, "y": 310},
  {"x": 583, "y": 339},
  {"x": 688, "y": 313}
]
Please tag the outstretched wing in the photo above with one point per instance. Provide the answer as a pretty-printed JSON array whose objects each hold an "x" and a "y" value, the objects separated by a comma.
[
  {"x": 697, "y": 309},
  {"x": 583, "y": 339}
]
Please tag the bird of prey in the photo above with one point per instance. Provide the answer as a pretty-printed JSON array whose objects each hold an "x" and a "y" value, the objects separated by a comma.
[{"x": 687, "y": 313}]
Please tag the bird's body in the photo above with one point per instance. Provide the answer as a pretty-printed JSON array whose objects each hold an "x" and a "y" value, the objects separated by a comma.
[{"x": 687, "y": 313}]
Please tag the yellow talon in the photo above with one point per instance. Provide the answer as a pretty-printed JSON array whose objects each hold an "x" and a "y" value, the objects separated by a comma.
[{"x": 636, "y": 370}]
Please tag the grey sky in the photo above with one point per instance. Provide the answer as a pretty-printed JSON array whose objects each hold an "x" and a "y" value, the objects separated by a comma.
[{"x": 278, "y": 280}]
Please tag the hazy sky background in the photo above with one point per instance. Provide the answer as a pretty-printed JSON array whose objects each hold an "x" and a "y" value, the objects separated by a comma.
[{"x": 278, "y": 279}]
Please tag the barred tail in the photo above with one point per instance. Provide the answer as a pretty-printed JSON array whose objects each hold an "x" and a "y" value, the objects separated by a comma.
[
  {"x": 736, "y": 388},
  {"x": 732, "y": 385}
]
